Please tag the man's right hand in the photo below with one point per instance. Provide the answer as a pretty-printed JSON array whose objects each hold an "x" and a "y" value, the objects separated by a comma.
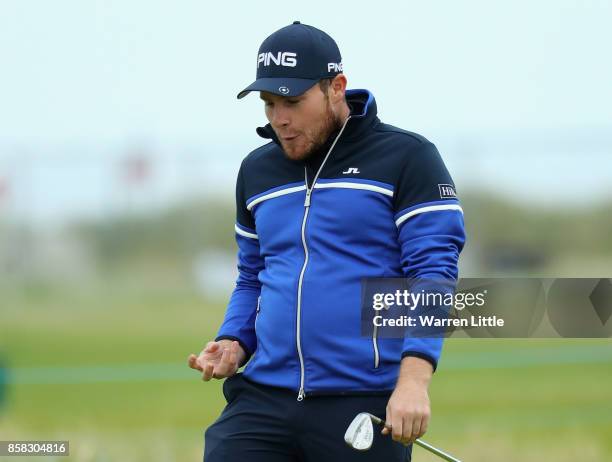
[{"x": 218, "y": 359}]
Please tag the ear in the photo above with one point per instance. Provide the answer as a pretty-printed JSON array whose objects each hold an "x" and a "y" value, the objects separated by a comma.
[{"x": 337, "y": 88}]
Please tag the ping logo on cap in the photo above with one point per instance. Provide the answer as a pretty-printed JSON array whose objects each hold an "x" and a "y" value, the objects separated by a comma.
[
  {"x": 293, "y": 59},
  {"x": 282, "y": 58}
]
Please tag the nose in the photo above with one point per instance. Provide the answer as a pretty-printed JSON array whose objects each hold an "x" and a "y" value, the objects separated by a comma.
[{"x": 279, "y": 116}]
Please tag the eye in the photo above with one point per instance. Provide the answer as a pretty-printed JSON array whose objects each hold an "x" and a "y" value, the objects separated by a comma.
[
  {"x": 268, "y": 104},
  {"x": 293, "y": 102}
]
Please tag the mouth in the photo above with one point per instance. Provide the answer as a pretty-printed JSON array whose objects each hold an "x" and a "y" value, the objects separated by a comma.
[{"x": 289, "y": 138}]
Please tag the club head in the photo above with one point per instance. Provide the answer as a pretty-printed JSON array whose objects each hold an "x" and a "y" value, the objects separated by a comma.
[{"x": 360, "y": 433}]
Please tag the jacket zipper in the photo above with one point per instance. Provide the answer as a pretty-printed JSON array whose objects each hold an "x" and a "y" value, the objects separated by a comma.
[
  {"x": 301, "y": 393},
  {"x": 257, "y": 311},
  {"x": 375, "y": 343}
]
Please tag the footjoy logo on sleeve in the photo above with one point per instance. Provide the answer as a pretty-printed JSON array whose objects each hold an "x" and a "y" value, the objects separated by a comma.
[
  {"x": 447, "y": 191},
  {"x": 282, "y": 58}
]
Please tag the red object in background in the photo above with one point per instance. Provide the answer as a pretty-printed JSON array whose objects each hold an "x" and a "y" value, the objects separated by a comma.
[
  {"x": 136, "y": 169},
  {"x": 4, "y": 189}
]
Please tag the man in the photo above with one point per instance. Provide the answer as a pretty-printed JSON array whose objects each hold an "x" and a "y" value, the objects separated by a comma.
[{"x": 334, "y": 197}]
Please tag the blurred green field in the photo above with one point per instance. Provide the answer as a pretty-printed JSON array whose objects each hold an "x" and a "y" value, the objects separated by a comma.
[{"x": 106, "y": 369}]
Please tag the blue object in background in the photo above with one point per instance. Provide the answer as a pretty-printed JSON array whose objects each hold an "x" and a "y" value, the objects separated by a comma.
[{"x": 3, "y": 383}]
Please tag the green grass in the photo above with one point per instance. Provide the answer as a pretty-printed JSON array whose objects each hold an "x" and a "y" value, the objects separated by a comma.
[{"x": 106, "y": 370}]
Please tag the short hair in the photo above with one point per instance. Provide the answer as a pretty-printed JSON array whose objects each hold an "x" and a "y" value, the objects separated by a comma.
[{"x": 324, "y": 84}]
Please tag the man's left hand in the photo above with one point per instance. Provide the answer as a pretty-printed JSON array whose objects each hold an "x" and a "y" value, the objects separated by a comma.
[{"x": 408, "y": 409}]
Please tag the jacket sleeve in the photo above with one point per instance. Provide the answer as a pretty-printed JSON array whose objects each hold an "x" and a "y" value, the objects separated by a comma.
[
  {"x": 239, "y": 321},
  {"x": 431, "y": 233}
]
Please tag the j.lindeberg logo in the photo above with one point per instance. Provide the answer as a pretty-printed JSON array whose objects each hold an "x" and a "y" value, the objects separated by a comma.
[
  {"x": 447, "y": 191},
  {"x": 282, "y": 58},
  {"x": 350, "y": 170}
]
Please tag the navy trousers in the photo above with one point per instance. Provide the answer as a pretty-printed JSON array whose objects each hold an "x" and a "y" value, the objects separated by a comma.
[{"x": 262, "y": 423}]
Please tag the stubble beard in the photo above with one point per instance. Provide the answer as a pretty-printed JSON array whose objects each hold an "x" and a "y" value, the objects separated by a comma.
[{"x": 330, "y": 124}]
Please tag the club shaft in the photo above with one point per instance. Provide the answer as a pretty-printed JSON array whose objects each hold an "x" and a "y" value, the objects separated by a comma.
[
  {"x": 436, "y": 451},
  {"x": 420, "y": 442}
]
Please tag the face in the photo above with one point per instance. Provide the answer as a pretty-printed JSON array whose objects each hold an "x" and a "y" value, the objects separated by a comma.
[{"x": 301, "y": 123}]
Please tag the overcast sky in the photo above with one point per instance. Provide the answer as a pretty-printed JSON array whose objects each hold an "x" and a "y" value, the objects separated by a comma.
[
  {"x": 111, "y": 69},
  {"x": 106, "y": 73}
]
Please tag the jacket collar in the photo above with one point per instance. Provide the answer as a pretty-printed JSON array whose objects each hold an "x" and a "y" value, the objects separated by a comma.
[{"x": 363, "y": 115}]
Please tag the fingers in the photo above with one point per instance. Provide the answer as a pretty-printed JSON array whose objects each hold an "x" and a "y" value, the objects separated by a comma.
[
  {"x": 393, "y": 424},
  {"x": 397, "y": 428},
  {"x": 420, "y": 423},
  {"x": 212, "y": 347},
  {"x": 192, "y": 361},
  {"x": 424, "y": 425},
  {"x": 387, "y": 429},
  {"x": 207, "y": 371},
  {"x": 226, "y": 366},
  {"x": 413, "y": 426},
  {"x": 217, "y": 360},
  {"x": 415, "y": 431},
  {"x": 405, "y": 427},
  {"x": 203, "y": 362},
  {"x": 234, "y": 355},
  {"x": 221, "y": 368}
]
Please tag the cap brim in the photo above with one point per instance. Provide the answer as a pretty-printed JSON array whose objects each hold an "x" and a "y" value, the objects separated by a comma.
[{"x": 279, "y": 86}]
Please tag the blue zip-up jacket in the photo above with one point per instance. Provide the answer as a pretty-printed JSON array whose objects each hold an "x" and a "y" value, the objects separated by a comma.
[{"x": 377, "y": 201}]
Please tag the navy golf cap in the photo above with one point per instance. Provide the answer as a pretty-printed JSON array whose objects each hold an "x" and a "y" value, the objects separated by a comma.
[{"x": 293, "y": 59}]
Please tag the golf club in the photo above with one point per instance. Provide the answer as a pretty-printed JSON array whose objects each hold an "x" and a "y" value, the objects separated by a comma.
[{"x": 360, "y": 434}]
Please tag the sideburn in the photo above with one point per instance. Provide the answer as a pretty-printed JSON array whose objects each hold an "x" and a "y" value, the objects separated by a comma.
[{"x": 330, "y": 127}]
